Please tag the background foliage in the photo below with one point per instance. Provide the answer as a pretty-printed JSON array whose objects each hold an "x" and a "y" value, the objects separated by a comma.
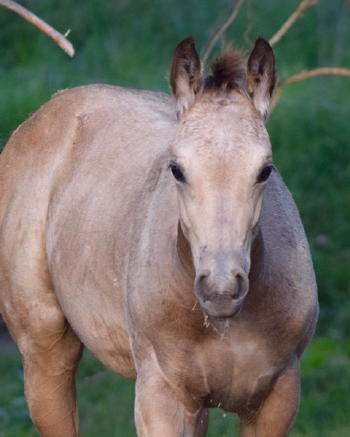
[{"x": 130, "y": 43}]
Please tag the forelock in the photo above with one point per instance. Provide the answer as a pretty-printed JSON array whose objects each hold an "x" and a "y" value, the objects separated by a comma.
[{"x": 229, "y": 72}]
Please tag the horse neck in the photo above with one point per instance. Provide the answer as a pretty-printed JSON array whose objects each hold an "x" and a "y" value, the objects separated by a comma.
[{"x": 257, "y": 258}]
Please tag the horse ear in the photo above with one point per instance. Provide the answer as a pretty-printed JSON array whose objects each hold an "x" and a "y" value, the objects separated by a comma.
[
  {"x": 185, "y": 75},
  {"x": 261, "y": 76}
]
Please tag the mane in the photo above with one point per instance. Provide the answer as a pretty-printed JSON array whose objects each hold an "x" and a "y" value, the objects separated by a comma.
[{"x": 229, "y": 71}]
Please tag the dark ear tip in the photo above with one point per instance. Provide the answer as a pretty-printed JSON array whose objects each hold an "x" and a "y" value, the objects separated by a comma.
[
  {"x": 186, "y": 43},
  {"x": 262, "y": 50},
  {"x": 189, "y": 39},
  {"x": 263, "y": 43}
]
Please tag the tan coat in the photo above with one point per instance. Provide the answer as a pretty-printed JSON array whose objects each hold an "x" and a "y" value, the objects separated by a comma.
[{"x": 99, "y": 248}]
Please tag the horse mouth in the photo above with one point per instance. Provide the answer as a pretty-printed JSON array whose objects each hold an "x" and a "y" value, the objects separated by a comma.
[{"x": 221, "y": 308}]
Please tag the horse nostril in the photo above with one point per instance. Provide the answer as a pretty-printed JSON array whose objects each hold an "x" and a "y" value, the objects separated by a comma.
[
  {"x": 239, "y": 278},
  {"x": 203, "y": 275},
  {"x": 201, "y": 284},
  {"x": 238, "y": 288},
  {"x": 240, "y": 285}
]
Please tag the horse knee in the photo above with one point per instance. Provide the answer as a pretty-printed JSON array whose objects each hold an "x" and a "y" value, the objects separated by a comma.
[{"x": 55, "y": 353}]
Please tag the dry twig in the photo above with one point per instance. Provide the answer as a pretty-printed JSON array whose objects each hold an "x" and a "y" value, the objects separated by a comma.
[
  {"x": 325, "y": 71},
  {"x": 328, "y": 71},
  {"x": 40, "y": 24},
  {"x": 292, "y": 19},
  {"x": 222, "y": 29},
  {"x": 305, "y": 74}
]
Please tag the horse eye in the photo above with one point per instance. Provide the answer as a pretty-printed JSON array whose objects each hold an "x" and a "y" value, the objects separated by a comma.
[
  {"x": 265, "y": 173},
  {"x": 176, "y": 171}
]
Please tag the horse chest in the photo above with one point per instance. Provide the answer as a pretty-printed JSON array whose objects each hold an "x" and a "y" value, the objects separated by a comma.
[{"x": 238, "y": 374}]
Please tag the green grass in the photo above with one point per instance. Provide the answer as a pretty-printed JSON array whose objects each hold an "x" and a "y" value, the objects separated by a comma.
[{"x": 130, "y": 43}]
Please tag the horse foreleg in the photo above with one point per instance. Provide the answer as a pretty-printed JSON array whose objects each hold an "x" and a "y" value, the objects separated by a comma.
[
  {"x": 50, "y": 387},
  {"x": 50, "y": 354},
  {"x": 276, "y": 415},
  {"x": 159, "y": 413}
]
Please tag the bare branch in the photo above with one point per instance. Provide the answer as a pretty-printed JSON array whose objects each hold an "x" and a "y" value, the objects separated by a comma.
[
  {"x": 246, "y": 34},
  {"x": 326, "y": 71},
  {"x": 40, "y": 24},
  {"x": 217, "y": 35},
  {"x": 291, "y": 20}
]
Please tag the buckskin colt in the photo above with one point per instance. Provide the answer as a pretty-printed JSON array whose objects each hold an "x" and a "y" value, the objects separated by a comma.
[{"x": 155, "y": 231}]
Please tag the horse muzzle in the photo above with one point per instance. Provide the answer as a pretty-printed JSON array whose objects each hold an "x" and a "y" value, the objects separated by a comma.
[{"x": 221, "y": 297}]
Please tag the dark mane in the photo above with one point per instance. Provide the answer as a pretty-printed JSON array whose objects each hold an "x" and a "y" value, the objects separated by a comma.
[{"x": 229, "y": 71}]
